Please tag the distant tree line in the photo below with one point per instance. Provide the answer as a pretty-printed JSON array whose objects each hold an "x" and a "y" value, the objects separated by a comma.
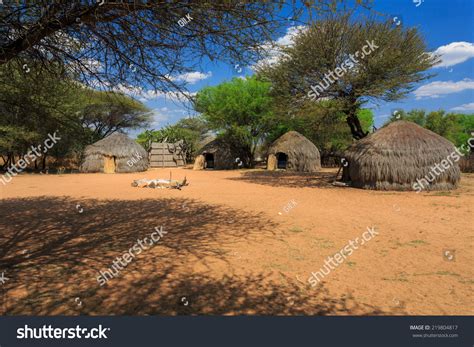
[
  {"x": 456, "y": 127},
  {"x": 36, "y": 103}
]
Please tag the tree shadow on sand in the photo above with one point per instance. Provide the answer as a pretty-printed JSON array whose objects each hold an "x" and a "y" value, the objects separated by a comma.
[
  {"x": 52, "y": 254},
  {"x": 288, "y": 179}
]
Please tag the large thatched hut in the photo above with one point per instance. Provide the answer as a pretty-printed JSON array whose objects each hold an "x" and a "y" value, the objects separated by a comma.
[
  {"x": 402, "y": 156},
  {"x": 217, "y": 154},
  {"x": 292, "y": 151},
  {"x": 115, "y": 153}
]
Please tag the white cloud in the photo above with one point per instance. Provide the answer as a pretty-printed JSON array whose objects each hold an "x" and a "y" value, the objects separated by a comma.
[
  {"x": 288, "y": 38},
  {"x": 174, "y": 96},
  {"x": 192, "y": 77},
  {"x": 92, "y": 65},
  {"x": 159, "y": 118},
  {"x": 273, "y": 50},
  {"x": 455, "y": 53},
  {"x": 464, "y": 107},
  {"x": 147, "y": 95},
  {"x": 128, "y": 90},
  {"x": 441, "y": 88}
]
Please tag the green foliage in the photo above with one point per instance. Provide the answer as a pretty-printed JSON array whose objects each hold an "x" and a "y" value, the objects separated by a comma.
[
  {"x": 240, "y": 108},
  {"x": 397, "y": 62},
  {"x": 104, "y": 113},
  {"x": 323, "y": 123},
  {"x": 455, "y": 127},
  {"x": 13, "y": 138},
  {"x": 35, "y": 104},
  {"x": 188, "y": 131},
  {"x": 366, "y": 117}
]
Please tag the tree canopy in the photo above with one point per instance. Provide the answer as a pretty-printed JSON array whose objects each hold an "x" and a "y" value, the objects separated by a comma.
[
  {"x": 35, "y": 104},
  {"x": 339, "y": 45},
  {"x": 145, "y": 43},
  {"x": 323, "y": 123},
  {"x": 188, "y": 131},
  {"x": 241, "y": 109}
]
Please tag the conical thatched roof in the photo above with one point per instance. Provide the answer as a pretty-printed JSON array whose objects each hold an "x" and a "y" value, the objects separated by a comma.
[
  {"x": 224, "y": 154},
  {"x": 302, "y": 154},
  {"x": 400, "y": 155},
  {"x": 129, "y": 155}
]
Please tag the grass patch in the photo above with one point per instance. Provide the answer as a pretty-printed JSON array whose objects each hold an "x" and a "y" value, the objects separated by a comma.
[
  {"x": 296, "y": 230},
  {"x": 323, "y": 243},
  {"x": 439, "y": 273},
  {"x": 444, "y": 193},
  {"x": 401, "y": 277},
  {"x": 467, "y": 281},
  {"x": 417, "y": 242},
  {"x": 412, "y": 243}
]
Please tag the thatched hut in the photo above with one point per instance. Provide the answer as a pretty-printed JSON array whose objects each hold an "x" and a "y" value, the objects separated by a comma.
[
  {"x": 115, "y": 153},
  {"x": 292, "y": 151},
  {"x": 217, "y": 154},
  {"x": 402, "y": 156},
  {"x": 466, "y": 164}
]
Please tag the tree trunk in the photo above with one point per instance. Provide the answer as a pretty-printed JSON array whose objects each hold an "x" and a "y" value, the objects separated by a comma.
[
  {"x": 9, "y": 160},
  {"x": 351, "y": 106},
  {"x": 356, "y": 128},
  {"x": 44, "y": 162}
]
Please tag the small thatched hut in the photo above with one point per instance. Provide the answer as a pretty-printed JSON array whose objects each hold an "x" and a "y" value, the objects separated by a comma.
[
  {"x": 115, "y": 153},
  {"x": 402, "y": 156},
  {"x": 217, "y": 154},
  {"x": 466, "y": 164},
  {"x": 292, "y": 151}
]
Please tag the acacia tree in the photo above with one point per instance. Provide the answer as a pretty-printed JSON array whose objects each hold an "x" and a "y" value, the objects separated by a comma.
[
  {"x": 321, "y": 122},
  {"x": 240, "y": 109},
  {"x": 146, "y": 43},
  {"x": 398, "y": 59},
  {"x": 34, "y": 104},
  {"x": 104, "y": 113}
]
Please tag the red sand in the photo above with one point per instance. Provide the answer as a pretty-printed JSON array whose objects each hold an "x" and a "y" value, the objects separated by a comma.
[{"x": 231, "y": 247}]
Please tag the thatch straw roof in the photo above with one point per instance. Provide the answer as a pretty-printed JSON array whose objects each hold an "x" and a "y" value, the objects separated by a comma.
[
  {"x": 224, "y": 154},
  {"x": 396, "y": 156},
  {"x": 466, "y": 164},
  {"x": 125, "y": 150},
  {"x": 302, "y": 154}
]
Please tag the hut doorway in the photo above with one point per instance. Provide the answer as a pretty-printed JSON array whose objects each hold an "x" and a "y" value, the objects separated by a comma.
[
  {"x": 109, "y": 164},
  {"x": 282, "y": 160},
  {"x": 209, "y": 159}
]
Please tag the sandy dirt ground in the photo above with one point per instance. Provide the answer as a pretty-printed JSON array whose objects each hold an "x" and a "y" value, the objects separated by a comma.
[{"x": 236, "y": 242}]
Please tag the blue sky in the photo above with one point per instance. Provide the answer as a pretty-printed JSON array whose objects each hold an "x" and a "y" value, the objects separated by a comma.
[{"x": 448, "y": 30}]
